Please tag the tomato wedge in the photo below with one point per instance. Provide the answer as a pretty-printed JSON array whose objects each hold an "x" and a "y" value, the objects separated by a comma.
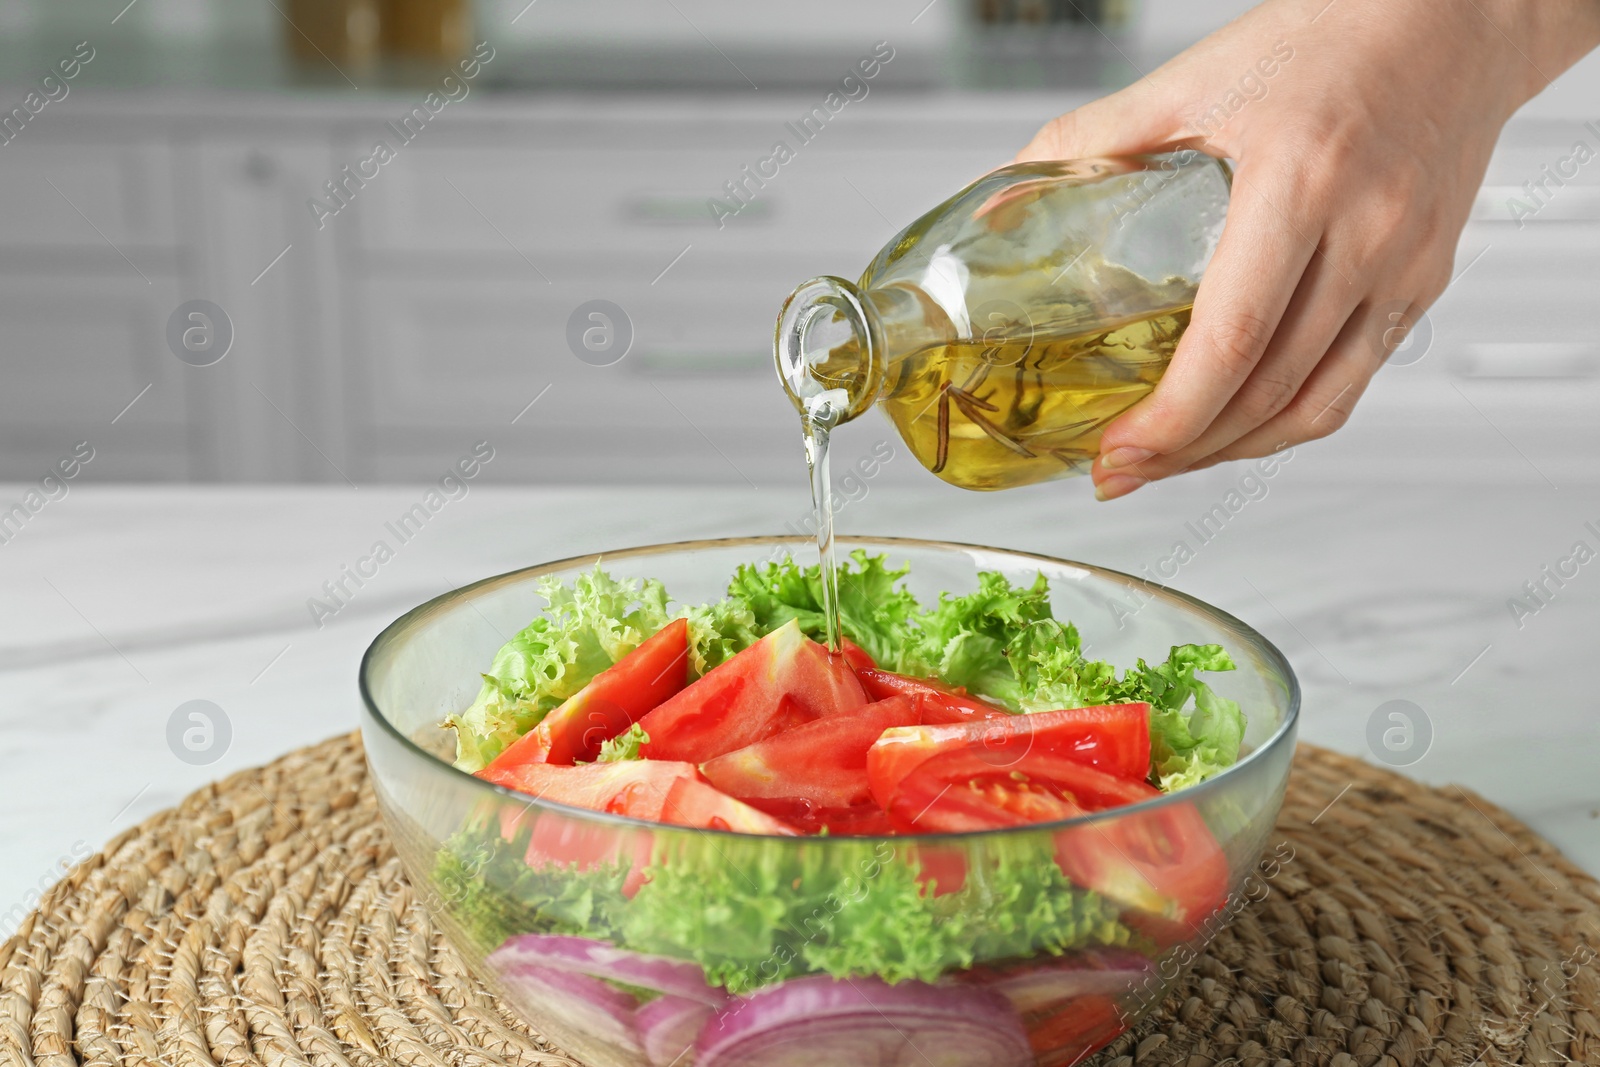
[
  {"x": 858, "y": 820},
  {"x": 637, "y": 788},
  {"x": 694, "y": 803},
  {"x": 617, "y": 697},
  {"x": 941, "y": 869},
  {"x": 925, "y": 804},
  {"x": 856, "y": 656},
  {"x": 1114, "y": 738},
  {"x": 940, "y": 703},
  {"x": 629, "y": 787},
  {"x": 1008, "y": 783},
  {"x": 559, "y": 840},
  {"x": 823, "y": 761},
  {"x": 1163, "y": 865},
  {"x": 782, "y": 680}
]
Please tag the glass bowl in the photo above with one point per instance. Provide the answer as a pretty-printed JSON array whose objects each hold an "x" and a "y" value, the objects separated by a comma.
[{"x": 635, "y": 944}]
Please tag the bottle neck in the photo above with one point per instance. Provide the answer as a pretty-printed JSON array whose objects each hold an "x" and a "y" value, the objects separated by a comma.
[{"x": 835, "y": 342}]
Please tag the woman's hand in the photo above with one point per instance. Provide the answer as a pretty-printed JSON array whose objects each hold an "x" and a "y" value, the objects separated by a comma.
[{"x": 1361, "y": 130}]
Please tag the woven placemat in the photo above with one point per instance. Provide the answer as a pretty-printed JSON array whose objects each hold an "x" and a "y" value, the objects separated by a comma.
[{"x": 265, "y": 920}]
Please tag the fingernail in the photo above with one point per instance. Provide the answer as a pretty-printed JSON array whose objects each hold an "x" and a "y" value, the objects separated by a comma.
[
  {"x": 1125, "y": 456},
  {"x": 1118, "y": 485}
]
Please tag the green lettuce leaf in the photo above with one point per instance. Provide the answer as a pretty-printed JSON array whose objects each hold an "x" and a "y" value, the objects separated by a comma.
[
  {"x": 491, "y": 894},
  {"x": 718, "y": 632},
  {"x": 1186, "y": 748},
  {"x": 875, "y": 609},
  {"x": 1053, "y": 672},
  {"x": 625, "y": 746},
  {"x": 968, "y": 640},
  {"x": 751, "y": 914},
  {"x": 584, "y": 629}
]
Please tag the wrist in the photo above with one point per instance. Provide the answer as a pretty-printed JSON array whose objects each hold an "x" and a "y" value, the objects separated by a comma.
[{"x": 1548, "y": 37}]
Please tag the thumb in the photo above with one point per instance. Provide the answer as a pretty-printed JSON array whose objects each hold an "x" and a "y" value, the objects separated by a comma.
[{"x": 1134, "y": 120}]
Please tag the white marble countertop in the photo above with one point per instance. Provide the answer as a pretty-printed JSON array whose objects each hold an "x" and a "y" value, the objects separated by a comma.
[{"x": 123, "y": 603}]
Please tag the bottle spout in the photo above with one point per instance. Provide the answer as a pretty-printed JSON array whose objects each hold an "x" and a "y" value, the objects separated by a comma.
[{"x": 830, "y": 350}]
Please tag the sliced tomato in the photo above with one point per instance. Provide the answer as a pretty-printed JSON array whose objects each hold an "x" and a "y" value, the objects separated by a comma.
[
  {"x": 941, "y": 868},
  {"x": 1163, "y": 865},
  {"x": 858, "y": 820},
  {"x": 895, "y": 754},
  {"x": 694, "y": 803},
  {"x": 1009, "y": 783},
  {"x": 940, "y": 703},
  {"x": 743, "y": 700},
  {"x": 617, "y": 698},
  {"x": 634, "y": 788},
  {"x": 855, "y": 656},
  {"x": 1069, "y": 1034},
  {"x": 1114, "y": 738},
  {"x": 629, "y": 787},
  {"x": 637, "y": 788},
  {"x": 925, "y": 804},
  {"x": 823, "y": 761},
  {"x": 559, "y": 840}
]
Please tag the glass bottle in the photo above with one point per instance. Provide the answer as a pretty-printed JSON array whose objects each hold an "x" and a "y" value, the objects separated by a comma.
[
  {"x": 341, "y": 32},
  {"x": 431, "y": 30},
  {"x": 1003, "y": 330}
]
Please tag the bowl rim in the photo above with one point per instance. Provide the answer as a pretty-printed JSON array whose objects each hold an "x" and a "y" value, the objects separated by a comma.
[{"x": 1272, "y": 655}]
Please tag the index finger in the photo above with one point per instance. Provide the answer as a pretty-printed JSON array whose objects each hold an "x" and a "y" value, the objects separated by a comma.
[
  {"x": 1131, "y": 120},
  {"x": 1257, "y": 266}
]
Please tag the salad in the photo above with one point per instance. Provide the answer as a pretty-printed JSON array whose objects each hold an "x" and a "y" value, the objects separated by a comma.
[{"x": 978, "y": 712}]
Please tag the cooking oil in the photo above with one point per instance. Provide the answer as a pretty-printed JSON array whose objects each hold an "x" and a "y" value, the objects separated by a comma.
[
  {"x": 993, "y": 413},
  {"x": 820, "y": 413}
]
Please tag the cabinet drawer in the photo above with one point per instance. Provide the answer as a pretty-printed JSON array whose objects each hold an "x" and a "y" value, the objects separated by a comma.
[
  {"x": 82, "y": 350},
  {"x": 695, "y": 399},
  {"x": 468, "y": 353},
  {"x": 67, "y": 195},
  {"x": 647, "y": 192}
]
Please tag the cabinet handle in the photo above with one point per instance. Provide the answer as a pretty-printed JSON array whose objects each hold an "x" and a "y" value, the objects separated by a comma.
[{"x": 1530, "y": 360}]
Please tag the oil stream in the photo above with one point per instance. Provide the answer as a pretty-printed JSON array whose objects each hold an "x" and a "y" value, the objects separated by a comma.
[{"x": 820, "y": 416}]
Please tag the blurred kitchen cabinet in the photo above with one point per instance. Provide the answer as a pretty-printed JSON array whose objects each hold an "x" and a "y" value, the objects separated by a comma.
[
  {"x": 89, "y": 256},
  {"x": 84, "y": 361},
  {"x": 276, "y": 404},
  {"x": 452, "y": 361},
  {"x": 482, "y": 243},
  {"x": 432, "y": 309},
  {"x": 99, "y": 199},
  {"x": 558, "y": 205}
]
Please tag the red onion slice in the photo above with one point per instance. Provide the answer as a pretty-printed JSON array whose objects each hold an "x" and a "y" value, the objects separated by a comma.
[
  {"x": 601, "y": 959},
  {"x": 865, "y": 1022},
  {"x": 1042, "y": 983},
  {"x": 586, "y": 1008},
  {"x": 668, "y": 1027}
]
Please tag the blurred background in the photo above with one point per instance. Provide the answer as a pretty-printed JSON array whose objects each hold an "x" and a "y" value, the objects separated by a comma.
[{"x": 425, "y": 306}]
